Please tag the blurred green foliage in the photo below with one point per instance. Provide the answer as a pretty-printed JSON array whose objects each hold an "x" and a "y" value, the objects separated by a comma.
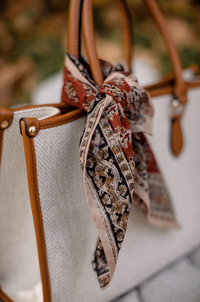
[{"x": 37, "y": 30}]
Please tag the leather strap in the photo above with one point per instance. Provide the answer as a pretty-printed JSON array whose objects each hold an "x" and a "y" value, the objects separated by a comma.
[
  {"x": 180, "y": 87},
  {"x": 174, "y": 85},
  {"x": 88, "y": 28},
  {"x": 164, "y": 86},
  {"x": 74, "y": 32},
  {"x": 31, "y": 168},
  {"x": 74, "y": 27},
  {"x": 6, "y": 117},
  {"x": 167, "y": 83}
]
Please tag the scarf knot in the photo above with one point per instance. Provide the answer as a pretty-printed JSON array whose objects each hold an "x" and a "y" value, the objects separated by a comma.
[{"x": 118, "y": 166}]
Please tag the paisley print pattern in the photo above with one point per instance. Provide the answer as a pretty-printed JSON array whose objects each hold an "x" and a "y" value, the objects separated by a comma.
[{"x": 117, "y": 163}]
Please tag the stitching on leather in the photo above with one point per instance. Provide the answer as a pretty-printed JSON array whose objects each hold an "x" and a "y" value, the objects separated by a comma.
[{"x": 39, "y": 210}]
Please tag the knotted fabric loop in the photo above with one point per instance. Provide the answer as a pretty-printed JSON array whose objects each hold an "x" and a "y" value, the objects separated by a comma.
[{"x": 117, "y": 163}]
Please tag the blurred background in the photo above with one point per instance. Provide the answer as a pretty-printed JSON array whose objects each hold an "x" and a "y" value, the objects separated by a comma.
[{"x": 33, "y": 36}]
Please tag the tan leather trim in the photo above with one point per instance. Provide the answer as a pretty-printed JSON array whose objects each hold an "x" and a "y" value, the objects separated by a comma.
[
  {"x": 63, "y": 119},
  {"x": 1, "y": 143},
  {"x": 192, "y": 84},
  {"x": 89, "y": 38},
  {"x": 170, "y": 80},
  {"x": 63, "y": 107},
  {"x": 127, "y": 31},
  {"x": 6, "y": 117},
  {"x": 4, "y": 297},
  {"x": 73, "y": 27},
  {"x": 36, "y": 211},
  {"x": 176, "y": 136},
  {"x": 32, "y": 126},
  {"x": 166, "y": 86}
]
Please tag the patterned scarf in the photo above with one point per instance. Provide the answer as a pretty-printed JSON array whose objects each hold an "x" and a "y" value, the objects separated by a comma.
[{"x": 117, "y": 163}]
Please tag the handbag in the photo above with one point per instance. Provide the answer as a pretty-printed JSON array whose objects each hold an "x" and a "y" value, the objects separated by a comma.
[{"x": 40, "y": 163}]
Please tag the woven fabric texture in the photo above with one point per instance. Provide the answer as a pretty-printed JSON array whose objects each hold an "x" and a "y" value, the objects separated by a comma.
[
  {"x": 19, "y": 269},
  {"x": 69, "y": 230}
]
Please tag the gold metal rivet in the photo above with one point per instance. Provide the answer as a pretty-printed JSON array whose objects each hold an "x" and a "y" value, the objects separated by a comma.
[
  {"x": 32, "y": 130},
  {"x": 176, "y": 103},
  {"x": 4, "y": 124}
]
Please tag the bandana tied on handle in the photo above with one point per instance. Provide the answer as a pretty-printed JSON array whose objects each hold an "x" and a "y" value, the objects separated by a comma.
[{"x": 117, "y": 163}]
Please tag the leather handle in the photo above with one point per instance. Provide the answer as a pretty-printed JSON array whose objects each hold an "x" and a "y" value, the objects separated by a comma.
[
  {"x": 89, "y": 37},
  {"x": 74, "y": 27},
  {"x": 88, "y": 29},
  {"x": 127, "y": 30},
  {"x": 74, "y": 32},
  {"x": 180, "y": 87},
  {"x": 165, "y": 86},
  {"x": 174, "y": 84}
]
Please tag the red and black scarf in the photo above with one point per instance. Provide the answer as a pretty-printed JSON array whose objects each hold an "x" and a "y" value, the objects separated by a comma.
[{"x": 117, "y": 162}]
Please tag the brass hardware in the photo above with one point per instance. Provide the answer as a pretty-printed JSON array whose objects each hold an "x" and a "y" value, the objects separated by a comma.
[
  {"x": 175, "y": 103},
  {"x": 4, "y": 124},
  {"x": 177, "y": 108},
  {"x": 32, "y": 130}
]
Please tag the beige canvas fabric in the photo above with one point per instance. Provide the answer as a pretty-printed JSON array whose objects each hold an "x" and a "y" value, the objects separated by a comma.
[
  {"x": 69, "y": 230},
  {"x": 19, "y": 269}
]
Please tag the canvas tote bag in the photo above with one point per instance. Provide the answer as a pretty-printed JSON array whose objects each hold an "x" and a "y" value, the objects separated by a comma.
[{"x": 40, "y": 166}]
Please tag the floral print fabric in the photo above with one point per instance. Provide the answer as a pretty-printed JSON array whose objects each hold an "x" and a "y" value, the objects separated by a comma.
[{"x": 117, "y": 163}]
